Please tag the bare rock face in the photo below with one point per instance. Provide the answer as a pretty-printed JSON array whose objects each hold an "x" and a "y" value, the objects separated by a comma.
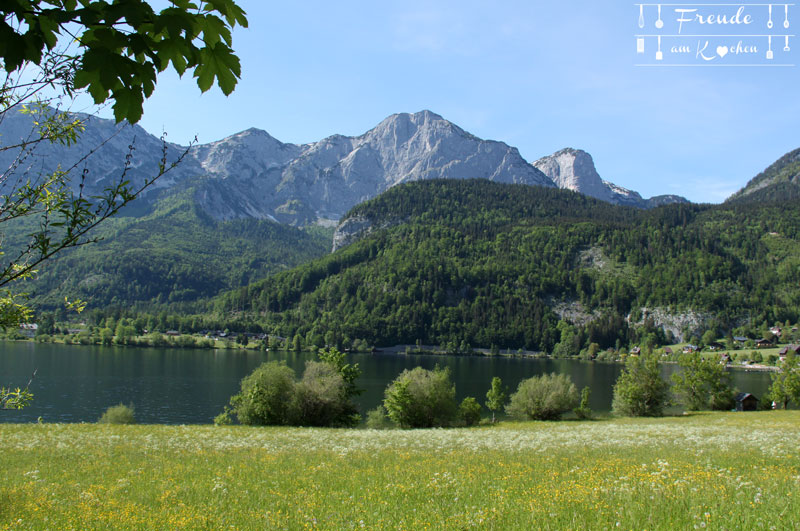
[
  {"x": 573, "y": 169},
  {"x": 99, "y": 157},
  {"x": 349, "y": 231},
  {"x": 329, "y": 177}
]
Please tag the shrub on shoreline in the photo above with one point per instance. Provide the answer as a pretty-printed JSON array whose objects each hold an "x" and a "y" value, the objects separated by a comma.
[
  {"x": 545, "y": 397},
  {"x": 119, "y": 414}
]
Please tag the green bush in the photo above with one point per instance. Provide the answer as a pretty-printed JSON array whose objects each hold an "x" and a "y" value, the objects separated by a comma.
[
  {"x": 321, "y": 398},
  {"x": 545, "y": 397},
  {"x": 420, "y": 398},
  {"x": 640, "y": 391},
  {"x": 469, "y": 411},
  {"x": 120, "y": 414},
  {"x": 266, "y": 396},
  {"x": 377, "y": 419},
  {"x": 223, "y": 419}
]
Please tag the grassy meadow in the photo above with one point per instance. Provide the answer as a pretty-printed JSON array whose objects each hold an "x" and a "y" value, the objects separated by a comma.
[{"x": 714, "y": 471}]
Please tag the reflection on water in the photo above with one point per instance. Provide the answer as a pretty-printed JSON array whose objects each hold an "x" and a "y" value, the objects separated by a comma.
[{"x": 170, "y": 386}]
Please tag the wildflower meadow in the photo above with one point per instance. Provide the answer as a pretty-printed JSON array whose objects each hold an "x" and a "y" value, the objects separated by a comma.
[{"x": 710, "y": 470}]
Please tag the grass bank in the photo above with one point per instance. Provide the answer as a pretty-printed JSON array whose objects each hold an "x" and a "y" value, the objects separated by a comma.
[{"x": 715, "y": 471}]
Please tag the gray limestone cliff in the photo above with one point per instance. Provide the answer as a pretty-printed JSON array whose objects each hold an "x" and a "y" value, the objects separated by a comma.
[{"x": 574, "y": 169}]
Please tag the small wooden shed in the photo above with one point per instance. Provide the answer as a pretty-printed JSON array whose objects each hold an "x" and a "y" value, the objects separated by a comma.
[{"x": 746, "y": 402}]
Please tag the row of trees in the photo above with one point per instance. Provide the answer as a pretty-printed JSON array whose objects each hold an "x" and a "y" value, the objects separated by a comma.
[{"x": 421, "y": 398}]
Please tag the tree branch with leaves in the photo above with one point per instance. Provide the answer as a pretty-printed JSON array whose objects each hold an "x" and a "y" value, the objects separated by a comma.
[{"x": 52, "y": 52}]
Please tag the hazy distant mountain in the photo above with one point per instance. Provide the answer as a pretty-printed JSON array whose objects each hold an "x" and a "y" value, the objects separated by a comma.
[
  {"x": 253, "y": 175},
  {"x": 109, "y": 145}
]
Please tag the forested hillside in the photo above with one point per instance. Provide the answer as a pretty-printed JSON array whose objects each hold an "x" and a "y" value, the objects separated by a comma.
[
  {"x": 488, "y": 264},
  {"x": 781, "y": 181},
  {"x": 170, "y": 256}
]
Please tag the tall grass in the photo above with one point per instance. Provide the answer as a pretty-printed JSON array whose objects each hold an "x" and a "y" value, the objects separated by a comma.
[{"x": 715, "y": 471}]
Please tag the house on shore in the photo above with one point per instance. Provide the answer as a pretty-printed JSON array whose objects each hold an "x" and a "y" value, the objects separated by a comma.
[
  {"x": 746, "y": 402},
  {"x": 794, "y": 349},
  {"x": 28, "y": 329}
]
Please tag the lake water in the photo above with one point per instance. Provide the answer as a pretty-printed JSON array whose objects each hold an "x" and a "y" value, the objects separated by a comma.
[{"x": 170, "y": 386}]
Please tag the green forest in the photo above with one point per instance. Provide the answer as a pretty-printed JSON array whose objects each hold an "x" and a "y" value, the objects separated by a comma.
[
  {"x": 482, "y": 263},
  {"x": 168, "y": 253},
  {"x": 459, "y": 264}
]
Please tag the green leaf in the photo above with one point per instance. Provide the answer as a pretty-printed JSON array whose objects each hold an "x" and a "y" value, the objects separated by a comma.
[
  {"x": 127, "y": 105},
  {"x": 220, "y": 62},
  {"x": 214, "y": 29}
]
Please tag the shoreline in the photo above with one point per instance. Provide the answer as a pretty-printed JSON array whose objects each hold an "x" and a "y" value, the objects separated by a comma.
[{"x": 395, "y": 350}]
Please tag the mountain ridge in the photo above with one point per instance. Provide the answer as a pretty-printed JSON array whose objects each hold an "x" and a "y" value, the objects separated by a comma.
[
  {"x": 251, "y": 174},
  {"x": 779, "y": 180}
]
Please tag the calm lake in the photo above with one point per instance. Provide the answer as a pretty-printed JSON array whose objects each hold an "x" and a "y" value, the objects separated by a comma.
[{"x": 172, "y": 386}]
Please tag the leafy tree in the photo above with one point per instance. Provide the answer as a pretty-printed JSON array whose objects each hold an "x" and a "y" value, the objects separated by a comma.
[
  {"x": 786, "y": 382},
  {"x": 349, "y": 371},
  {"x": 496, "y": 397},
  {"x": 122, "y": 46},
  {"x": 703, "y": 383},
  {"x": 270, "y": 395},
  {"x": 266, "y": 396},
  {"x": 106, "y": 336},
  {"x": 123, "y": 333},
  {"x": 710, "y": 336},
  {"x": 584, "y": 411},
  {"x": 545, "y": 397},
  {"x": 321, "y": 398},
  {"x": 469, "y": 411},
  {"x": 640, "y": 391},
  {"x": 419, "y": 398},
  {"x": 113, "y": 51}
]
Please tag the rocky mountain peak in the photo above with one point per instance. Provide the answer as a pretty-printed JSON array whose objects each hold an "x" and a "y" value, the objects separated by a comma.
[
  {"x": 248, "y": 153},
  {"x": 573, "y": 169}
]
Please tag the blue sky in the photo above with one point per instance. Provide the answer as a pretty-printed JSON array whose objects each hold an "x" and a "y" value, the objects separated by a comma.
[{"x": 539, "y": 76}]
